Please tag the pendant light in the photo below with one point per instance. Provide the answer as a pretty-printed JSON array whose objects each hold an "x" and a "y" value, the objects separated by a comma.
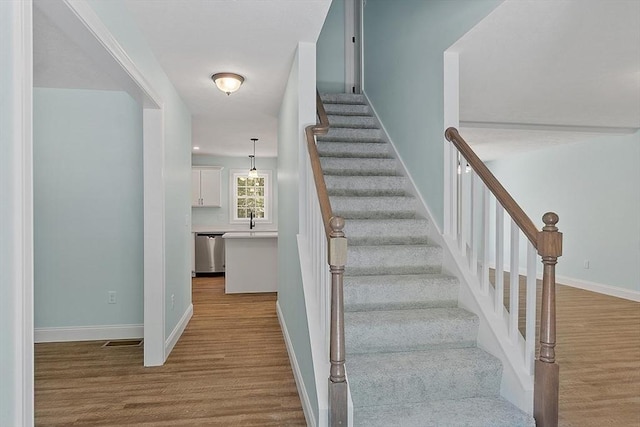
[{"x": 253, "y": 172}]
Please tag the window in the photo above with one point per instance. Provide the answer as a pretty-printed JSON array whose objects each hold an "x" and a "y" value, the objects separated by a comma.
[{"x": 250, "y": 195}]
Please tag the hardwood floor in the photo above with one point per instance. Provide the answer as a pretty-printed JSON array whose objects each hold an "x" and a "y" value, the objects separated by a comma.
[
  {"x": 230, "y": 368},
  {"x": 598, "y": 350}
]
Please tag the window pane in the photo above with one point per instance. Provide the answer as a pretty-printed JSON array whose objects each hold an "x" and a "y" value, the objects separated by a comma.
[
  {"x": 251, "y": 182},
  {"x": 242, "y": 191},
  {"x": 242, "y": 213},
  {"x": 251, "y": 203},
  {"x": 259, "y": 214},
  {"x": 260, "y": 182},
  {"x": 259, "y": 191},
  {"x": 260, "y": 202},
  {"x": 242, "y": 202},
  {"x": 242, "y": 181}
]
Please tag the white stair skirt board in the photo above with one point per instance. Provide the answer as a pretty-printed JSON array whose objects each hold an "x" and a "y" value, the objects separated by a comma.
[
  {"x": 408, "y": 345},
  {"x": 88, "y": 333},
  {"x": 297, "y": 375},
  {"x": 175, "y": 335}
]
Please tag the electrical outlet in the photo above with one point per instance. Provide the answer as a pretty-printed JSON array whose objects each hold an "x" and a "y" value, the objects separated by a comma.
[
  {"x": 586, "y": 264},
  {"x": 111, "y": 298},
  {"x": 173, "y": 301}
]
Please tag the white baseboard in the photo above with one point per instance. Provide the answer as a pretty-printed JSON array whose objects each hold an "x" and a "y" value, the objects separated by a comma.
[
  {"x": 88, "y": 333},
  {"x": 302, "y": 391},
  {"x": 177, "y": 331},
  {"x": 600, "y": 288}
]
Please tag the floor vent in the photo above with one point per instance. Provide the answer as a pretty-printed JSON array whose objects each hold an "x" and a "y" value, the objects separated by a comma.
[{"x": 123, "y": 343}]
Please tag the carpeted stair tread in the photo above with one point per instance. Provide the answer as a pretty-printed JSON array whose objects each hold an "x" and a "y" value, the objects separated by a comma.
[
  {"x": 354, "y": 149},
  {"x": 358, "y": 166},
  {"x": 398, "y": 292},
  {"x": 409, "y": 330},
  {"x": 374, "y": 207},
  {"x": 351, "y": 121},
  {"x": 470, "y": 412},
  {"x": 418, "y": 376},
  {"x": 393, "y": 259},
  {"x": 387, "y": 231}
]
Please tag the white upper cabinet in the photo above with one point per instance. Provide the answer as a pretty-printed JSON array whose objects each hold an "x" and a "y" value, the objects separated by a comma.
[{"x": 206, "y": 186}]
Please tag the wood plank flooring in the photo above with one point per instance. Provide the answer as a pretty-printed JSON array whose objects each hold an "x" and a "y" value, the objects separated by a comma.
[
  {"x": 230, "y": 368},
  {"x": 598, "y": 350}
]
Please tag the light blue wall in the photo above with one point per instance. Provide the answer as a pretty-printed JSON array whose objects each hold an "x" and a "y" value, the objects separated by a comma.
[
  {"x": 177, "y": 154},
  {"x": 330, "y": 51},
  {"x": 594, "y": 187},
  {"x": 291, "y": 122},
  {"x": 88, "y": 220},
  {"x": 220, "y": 216},
  {"x": 404, "y": 42}
]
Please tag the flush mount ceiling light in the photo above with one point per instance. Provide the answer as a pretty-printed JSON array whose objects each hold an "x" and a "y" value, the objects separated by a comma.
[
  {"x": 253, "y": 172},
  {"x": 228, "y": 82}
]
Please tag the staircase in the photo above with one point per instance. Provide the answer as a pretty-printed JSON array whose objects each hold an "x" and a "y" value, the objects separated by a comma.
[{"x": 412, "y": 358}]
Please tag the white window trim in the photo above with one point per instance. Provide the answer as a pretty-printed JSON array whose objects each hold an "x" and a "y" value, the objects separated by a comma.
[{"x": 233, "y": 201}]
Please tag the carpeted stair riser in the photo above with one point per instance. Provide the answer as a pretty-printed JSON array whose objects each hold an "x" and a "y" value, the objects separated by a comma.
[
  {"x": 353, "y": 149},
  {"x": 409, "y": 330},
  {"x": 392, "y": 259},
  {"x": 362, "y": 122},
  {"x": 387, "y": 231},
  {"x": 349, "y": 134},
  {"x": 347, "y": 110},
  {"x": 418, "y": 376},
  {"x": 400, "y": 292},
  {"x": 387, "y": 207},
  {"x": 342, "y": 98},
  {"x": 470, "y": 412},
  {"x": 411, "y": 355},
  {"x": 343, "y": 185},
  {"x": 358, "y": 166}
]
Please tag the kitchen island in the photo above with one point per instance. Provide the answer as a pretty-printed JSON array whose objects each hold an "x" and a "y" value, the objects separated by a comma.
[{"x": 251, "y": 261}]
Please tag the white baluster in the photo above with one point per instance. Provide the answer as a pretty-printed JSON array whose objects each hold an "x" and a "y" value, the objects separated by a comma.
[
  {"x": 530, "y": 307},
  {"x": 499, "y": 280},
  {"x": 514, "y": 283},
  {"x": 484, "y": 280}
]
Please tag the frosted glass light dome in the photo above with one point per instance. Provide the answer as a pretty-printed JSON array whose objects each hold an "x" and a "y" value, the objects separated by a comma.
[{"x": 228, "y": 82}]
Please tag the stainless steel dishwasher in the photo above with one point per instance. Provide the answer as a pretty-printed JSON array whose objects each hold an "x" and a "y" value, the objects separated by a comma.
[{"x": 209, "y": 253}]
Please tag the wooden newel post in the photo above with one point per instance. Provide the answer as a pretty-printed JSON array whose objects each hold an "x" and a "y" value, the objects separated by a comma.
[
  {"x": 337, "y": 377},
  {"x": 546, "y": 388}
]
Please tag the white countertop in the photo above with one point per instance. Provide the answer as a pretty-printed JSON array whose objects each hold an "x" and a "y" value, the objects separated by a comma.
[
  {"x": 231, "y": 229},
  {"x": 250, "y": 235}
]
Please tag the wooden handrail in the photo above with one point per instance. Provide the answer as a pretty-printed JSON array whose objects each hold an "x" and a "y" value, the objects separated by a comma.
[
  {"x": 519, "y": 216},
  {"x": 323, "y": 196},
  {"x": 337, "y": 257},
  {"x": 548, "y": 243}
]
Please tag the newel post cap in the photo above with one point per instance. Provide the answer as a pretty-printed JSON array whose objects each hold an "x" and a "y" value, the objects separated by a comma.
[{"x": 550, "y": 239}]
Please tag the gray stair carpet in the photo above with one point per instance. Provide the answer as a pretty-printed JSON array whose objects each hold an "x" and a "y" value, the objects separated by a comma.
[{"x": 412, "y": 358}]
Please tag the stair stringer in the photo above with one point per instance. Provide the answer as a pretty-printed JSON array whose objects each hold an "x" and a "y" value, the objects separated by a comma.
[{"x": 517, "y": 383}]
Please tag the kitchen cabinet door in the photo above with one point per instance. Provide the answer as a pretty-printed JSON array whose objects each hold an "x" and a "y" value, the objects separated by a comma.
[{"x": 206, "y": 187}]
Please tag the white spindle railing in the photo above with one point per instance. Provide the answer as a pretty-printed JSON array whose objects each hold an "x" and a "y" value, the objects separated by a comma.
[{"x": 462, "y": 213}]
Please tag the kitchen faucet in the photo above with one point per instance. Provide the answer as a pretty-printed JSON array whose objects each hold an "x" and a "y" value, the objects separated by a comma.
[{"x": 251, "y": 221}]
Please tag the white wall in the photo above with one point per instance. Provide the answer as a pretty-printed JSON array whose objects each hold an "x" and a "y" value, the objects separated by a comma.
[
  {"x": 87, "y": 208},
  {"x": 296, "y": 111},
  {"x": 16, "y": 230},
  {"x": 594, "y": 188},
  {"x": 177, "y": 158},
  {"x": 219, "y": 217}
]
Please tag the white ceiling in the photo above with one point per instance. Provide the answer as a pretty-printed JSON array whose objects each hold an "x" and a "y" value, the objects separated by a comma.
[
  {"x": 536, "y": 73},
  {"x": 255, "y": 38}
]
